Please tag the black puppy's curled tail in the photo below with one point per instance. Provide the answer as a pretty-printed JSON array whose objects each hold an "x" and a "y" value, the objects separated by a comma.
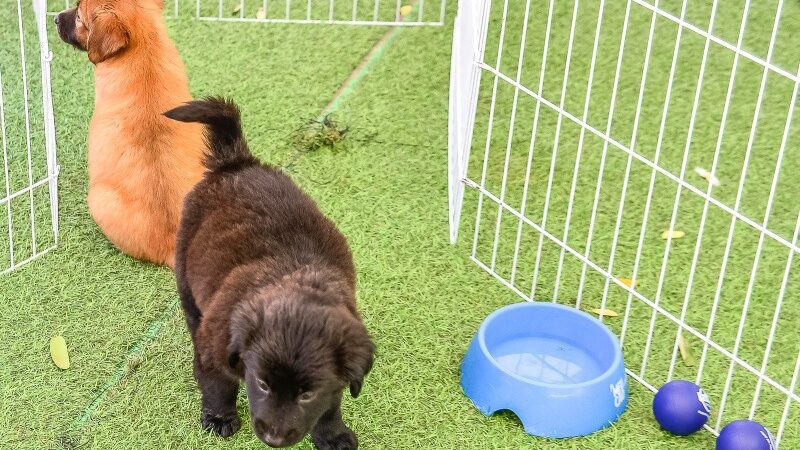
[{"x": 224, "y": 137}]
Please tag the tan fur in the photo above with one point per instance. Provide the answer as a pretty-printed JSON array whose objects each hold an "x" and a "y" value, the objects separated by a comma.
[{"x": 141, "y": 164}]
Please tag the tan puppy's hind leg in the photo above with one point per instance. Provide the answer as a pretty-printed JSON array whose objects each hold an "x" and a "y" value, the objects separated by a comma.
[{"x": 129, "y": 228}]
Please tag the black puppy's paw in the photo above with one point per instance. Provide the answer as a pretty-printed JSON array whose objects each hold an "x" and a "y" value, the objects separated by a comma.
[
  {"x": 331, "y": 440},
  {"x": 224, "y": 426}
]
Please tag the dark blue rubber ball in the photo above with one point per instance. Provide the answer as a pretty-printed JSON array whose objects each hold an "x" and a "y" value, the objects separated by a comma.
[
  {"x": 681, "y": 407},
  {"x": 745, "y": 435}
]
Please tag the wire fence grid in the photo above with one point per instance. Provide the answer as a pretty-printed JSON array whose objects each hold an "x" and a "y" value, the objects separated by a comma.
[
  {"x": 340, "y": 12},
  {"x": 640, "y": 158},
  {"x": 28, "y": 194}
]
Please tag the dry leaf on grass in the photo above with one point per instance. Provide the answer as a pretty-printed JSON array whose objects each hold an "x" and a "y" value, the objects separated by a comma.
[
  {"x": 686, "y": 352},
  {"x": 58, "y": 351},
  {"x": 674, "y": 234},
  {"x": 712, "y": 180},
  {"x": 261, "y": 14},
  {"x": 605, "y": 312},
  {"x": 405, "y": 10},
  {"x": 237, "y": 9},
  {"x": 628, "y": 282}
]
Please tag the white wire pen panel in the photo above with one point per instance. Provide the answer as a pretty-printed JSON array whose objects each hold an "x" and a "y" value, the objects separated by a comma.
[
  {"x": 28, "y": 196},
  {"x": 341, "y": 12},
  {"x": 352, "y": 12},
  {"x": 642, "y": 156}
]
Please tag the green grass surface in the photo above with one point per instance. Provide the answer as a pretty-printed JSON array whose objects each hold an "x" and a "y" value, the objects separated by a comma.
[{"x": 131, "y": 386}]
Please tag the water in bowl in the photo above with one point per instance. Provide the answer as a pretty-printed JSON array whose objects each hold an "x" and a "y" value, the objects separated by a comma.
[{"x": 546, "y": 360}]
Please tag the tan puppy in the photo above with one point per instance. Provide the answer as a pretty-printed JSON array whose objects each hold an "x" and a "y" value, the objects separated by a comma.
[{"x": 141, "y": 164}]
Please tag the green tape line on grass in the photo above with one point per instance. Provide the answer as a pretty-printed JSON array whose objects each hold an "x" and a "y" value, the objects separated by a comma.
[
  {"x": 122, "y": 370},
  {"x": 354, "y": 79}
]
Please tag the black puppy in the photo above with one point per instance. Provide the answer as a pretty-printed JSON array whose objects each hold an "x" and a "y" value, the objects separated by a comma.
[{"x": 267, "y": 283}]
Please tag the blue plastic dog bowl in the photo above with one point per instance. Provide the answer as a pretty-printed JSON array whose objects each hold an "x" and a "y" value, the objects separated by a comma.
[{"x": 558, "y": 369}]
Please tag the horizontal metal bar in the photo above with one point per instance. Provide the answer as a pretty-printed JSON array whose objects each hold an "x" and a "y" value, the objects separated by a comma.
[
  {"x": 639, "y": 296},
  {"x": 27, "y": 260},
  {"x": 686, "y": 185},
  {"x": 717, "y": 40},
  {"x": 30, "y": 188},
  {"x": 323, "y": 21}
]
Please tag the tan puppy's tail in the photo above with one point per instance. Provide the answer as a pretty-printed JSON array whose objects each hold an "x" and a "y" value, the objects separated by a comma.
[{"x": 224, "y": 138}]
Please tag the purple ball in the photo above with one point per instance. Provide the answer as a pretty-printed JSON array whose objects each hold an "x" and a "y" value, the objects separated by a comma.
[
  {"x": 745, "y": 435},
  {"x": 681, "y": 407}
]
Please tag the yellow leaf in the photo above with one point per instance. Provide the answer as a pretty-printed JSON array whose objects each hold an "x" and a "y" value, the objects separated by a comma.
[
  {"x": 686, "y": 352},
  {"x": 261, "y": 14},
  {"x": 627, "y": 282},
  {"x": 237, "y": 9},
  {"x": 58, "y": 351},
  {"x": 674, "y": 234},
  {"x": 605, "y": 312},
  {"x": 405, "y": 10}
]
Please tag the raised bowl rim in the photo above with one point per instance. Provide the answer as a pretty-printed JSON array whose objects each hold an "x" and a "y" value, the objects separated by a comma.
[{"x": 528, "y": 304}]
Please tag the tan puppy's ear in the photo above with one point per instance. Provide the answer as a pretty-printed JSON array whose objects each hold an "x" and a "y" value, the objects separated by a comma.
[{"x": 107, "y": 37}]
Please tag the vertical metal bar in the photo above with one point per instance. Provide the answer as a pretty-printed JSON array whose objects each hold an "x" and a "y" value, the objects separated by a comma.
[
  {"x": 45, "y": 56},
  {"x": 724, "y": 119},
  {"x": 27, "y": 122},
  {"x": 468, "y": 52},
  {"x": 621, "y": 206},
  {"x": 646, "y": 216},
  {"x": 792, "y": 387},
  {"x": 512, "y": 122},
  {"x": 759, "y": 246},
  {"x": 786, "y": 273},
  {"x": 534, "y": 134},
  {"x": 775, "y": 318},
  {"x": 673, "y": 218},
  {"x": 6, "y": 173},
  {"x": 601, "y": 169},
  {"x": 555, "y": 149},
  {"x": 579, "y": 152},
  {"x": 498, "y": 63}
]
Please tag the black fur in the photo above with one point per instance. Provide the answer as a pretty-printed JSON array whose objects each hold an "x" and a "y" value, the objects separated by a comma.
[
  {"x": 267, "y": 284},
  {"x": 223, "y": 135}
]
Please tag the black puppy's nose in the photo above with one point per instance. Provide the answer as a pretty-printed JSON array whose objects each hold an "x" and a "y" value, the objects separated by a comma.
[
  {"x": 270, "y": 437},
  {"x": 55, "y": 19}
]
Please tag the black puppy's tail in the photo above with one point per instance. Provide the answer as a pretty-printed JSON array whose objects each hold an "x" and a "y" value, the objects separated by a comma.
[{"x": 224, "y": 136}]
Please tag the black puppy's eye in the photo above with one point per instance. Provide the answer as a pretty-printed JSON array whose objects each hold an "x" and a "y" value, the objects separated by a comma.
[
  {"x": 306, "y": 396},
  {"x": 263, "y": 385}
]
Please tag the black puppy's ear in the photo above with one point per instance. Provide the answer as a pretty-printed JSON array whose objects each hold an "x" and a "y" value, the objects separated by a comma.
[
  {"x": 107, "y": 36},
  {"x": 244, "y": 322},
  {"x": 234, "y": 354},
  {"x": 356, "y": 356}
]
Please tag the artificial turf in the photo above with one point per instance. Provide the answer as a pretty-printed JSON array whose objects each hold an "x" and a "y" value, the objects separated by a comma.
[{"x": 130, "y": 385}]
